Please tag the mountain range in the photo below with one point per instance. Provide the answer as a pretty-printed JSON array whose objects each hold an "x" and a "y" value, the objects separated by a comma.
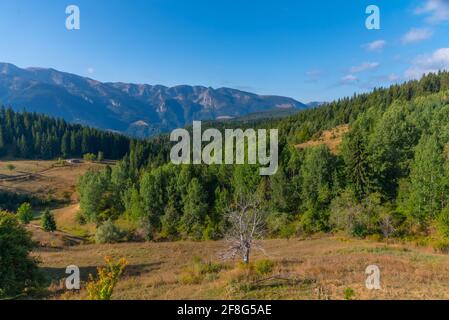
[{"x": 134, "y": 109}]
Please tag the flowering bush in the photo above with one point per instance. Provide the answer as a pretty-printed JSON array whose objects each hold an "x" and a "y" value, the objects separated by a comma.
[{"x": 103, "y": 287}]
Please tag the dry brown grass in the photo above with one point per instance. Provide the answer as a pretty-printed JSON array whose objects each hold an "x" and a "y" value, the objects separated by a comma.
[
  {"x": 310, "y": 269},
  {"x": 54, "y": 240},
  {"x": 43, "y": 179},
  {"x": 331, "y": 138},
  {"x": 66, "y": 221}
]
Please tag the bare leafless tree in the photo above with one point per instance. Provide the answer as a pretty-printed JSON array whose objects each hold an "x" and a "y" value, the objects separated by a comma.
[
  {"x": 387, "y": 225},
  {"x": 246, "y": 221}
]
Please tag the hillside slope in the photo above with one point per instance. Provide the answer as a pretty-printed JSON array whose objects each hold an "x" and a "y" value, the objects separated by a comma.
[{"x": 136, "y": 109}]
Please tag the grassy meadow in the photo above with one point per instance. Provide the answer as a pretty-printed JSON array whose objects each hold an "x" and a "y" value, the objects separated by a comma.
[{"x": 319, "y": 267}]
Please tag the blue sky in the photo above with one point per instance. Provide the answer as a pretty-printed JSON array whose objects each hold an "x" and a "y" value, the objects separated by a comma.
[{"x": 308, "y": 50}]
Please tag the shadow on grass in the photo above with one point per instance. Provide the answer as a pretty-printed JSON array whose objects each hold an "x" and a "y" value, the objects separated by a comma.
[{"x": 58, "y": 274}]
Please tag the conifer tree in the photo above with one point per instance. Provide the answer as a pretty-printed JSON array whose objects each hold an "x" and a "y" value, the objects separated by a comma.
[{"x": 48, "y": 222}]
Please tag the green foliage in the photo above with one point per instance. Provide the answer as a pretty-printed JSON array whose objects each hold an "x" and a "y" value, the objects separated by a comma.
[
  {"x": 443, "y": 223},
  {"x": 108, "y": 277},
  {"x": 427, "y": 190},
  {"x": 33, "y": 136},
  {"x": 25, "y": 213},
  {"x": 349, "y": 294},
  {"x": 195, "y": 210},
  {"x": 198, "y": 271},
  {"x": 264, "y": 267},
  {"x": 356, "y": 158},
  {"x": 133, "y": 204},
  {"x": 108, "y": 232},
  {"x": 390, "y": 176},
  {"x": 10, "y": 201},
  {"x": 80, "y": 219},
  {"x": 18, "y": 270},
  {"x": 441, "y": 245},
  {"x": 154, "y": 198},
  {"x": 98, "y": 197},
  {"x": 245, "y": 180},
  {"x": 48, "y": 222},
  {"x": 317, "y": 178},
  {"x": 391, "y": 148},
  {"x": 89, "y": 157},
  {"x": 170, "y": 221},
  {"x": 356, "y": 218}
]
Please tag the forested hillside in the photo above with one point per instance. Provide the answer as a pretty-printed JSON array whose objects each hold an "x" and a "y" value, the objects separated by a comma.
[
  {"x": 304, "y": 125},
  {"x": 33, "y": 136},
  {"x": 391, "y": 177}
]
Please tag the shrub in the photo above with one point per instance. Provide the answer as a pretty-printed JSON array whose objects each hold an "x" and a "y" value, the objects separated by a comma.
[
  {"x": 89, "y": 157},
  {"x": 279, "y": 224},
  {"x": 443, "y": 223},
  {"x": 108, "y": 232},
  {"x": 349, "y": 294},
  {"x": 264, "y": 267},
  {"x": 359, "y": 219},
  {"x": 314, "y": 220},
  {"x": 108, "y": 277},
  {"x": 441, "y": 246},
  {"x": 48, "y": 222},
  {"x": 18, "y": 271},
  {"x": 25, "y": 213},
  {"x": 80, "y": 218},
  {"x": 190, "y": 277},
  {"x": 290, "y": 230},
  {"x": 199, "y": 270},
  {"x": 212, "y": 230}
]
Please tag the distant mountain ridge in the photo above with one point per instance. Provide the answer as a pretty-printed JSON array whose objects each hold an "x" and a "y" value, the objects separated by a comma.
[
  {"x": 315, "y": 104},
  {"x": 135, "y": 109}
]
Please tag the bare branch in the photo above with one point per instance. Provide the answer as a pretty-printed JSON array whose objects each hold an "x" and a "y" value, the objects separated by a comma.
[{"x": 247, "y": 225}]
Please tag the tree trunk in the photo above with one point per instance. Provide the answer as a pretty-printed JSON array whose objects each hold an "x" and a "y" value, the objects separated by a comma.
[{"x": 246, "y": 255}]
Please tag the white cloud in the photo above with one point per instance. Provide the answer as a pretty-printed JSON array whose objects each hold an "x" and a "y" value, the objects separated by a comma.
[
  {"x": 437, "y": 10},
  {"x": 375, "y": 46},
  {"x": 90, "y": 70},
  {"x": 439, "y": 60},
  {"x": 416, "y": 35},
  {"x": 365, "y": 67},
  {"x": 314, "y": 75},
  {"x": 350, "y": 78}
]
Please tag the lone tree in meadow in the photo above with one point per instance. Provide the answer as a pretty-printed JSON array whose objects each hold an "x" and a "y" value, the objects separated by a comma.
[
  {"x": 246, "y": 221},
  {"x": 25, "y": 213},
  {"x": 48, "y": 222}
]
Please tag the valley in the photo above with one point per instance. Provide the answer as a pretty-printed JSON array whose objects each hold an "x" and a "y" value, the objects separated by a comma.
[
  {"x": 216, "y": 153},
  {"x": 348, "y": 194},
  {"x": 318, "y": 267}
]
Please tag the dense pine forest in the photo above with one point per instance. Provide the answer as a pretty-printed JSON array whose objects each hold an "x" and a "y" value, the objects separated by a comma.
[
  {"x": 33, "y": 136},
  {"x": 389, "y": 178}
]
